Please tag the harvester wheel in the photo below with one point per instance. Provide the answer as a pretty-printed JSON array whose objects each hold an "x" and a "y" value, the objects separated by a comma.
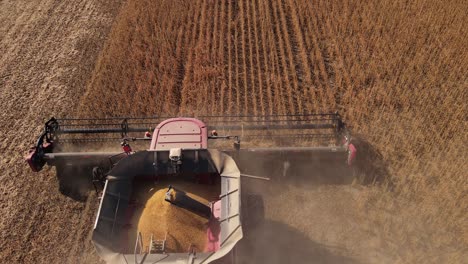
[
  {"x": 98, "y": 174},
  {"x": 98, "y": 179}
]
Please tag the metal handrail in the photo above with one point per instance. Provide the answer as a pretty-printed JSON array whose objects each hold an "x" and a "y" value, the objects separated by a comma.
[
  {"x": 115, "y": 214},
  {"x": 138, "y": 239},
  {"x": 197, "y": 116}
]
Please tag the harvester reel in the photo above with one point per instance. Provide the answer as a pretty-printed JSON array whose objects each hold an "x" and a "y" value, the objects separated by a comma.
[
  {"x": 50, "y": 127},
  {"x": 124, "y": 127},
  {"x": 98, "y": 174}
]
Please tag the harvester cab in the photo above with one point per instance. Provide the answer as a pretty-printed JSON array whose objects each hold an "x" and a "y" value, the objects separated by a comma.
[{"x": 201, "y": 160}]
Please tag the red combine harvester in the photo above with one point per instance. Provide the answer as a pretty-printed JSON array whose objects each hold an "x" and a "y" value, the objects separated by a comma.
[{"x": 190, "y": 172}]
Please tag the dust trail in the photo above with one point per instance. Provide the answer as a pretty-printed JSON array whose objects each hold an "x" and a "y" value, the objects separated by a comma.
[{"x": 310, "y": 212}]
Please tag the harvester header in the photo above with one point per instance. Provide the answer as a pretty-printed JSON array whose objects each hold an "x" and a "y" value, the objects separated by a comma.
[{"x": 321, "y": 132}]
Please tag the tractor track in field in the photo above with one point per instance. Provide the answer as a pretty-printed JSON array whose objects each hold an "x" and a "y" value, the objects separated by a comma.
[
  {"x": 223, "y": 49},
  {"x": 236, "y": 51},
  {"x": 259, "y": 59},
  {"x": 214, "y": 95},
  {"x": 252, "y": 76},
  {"x": 292, "y": 62},
  {"x": 305, "y": 70},
  {"x": 265, "y": 65}
]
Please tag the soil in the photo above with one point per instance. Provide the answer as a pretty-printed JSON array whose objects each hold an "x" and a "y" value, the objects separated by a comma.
[{"x": 47, "y": 52}]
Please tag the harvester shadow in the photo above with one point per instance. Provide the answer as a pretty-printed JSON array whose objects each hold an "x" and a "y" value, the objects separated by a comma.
[
  {"x": 74, "y": 181},
  {"x": 297, "y": 169},
  {"x": 312, "y": 169},
  {"x": 274, "y": 242},
  {"x": 370, "y": 167}
]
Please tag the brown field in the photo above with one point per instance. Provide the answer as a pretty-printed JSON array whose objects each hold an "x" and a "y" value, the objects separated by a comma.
[
  {"x": 48, "y": 51},
  {"x": 396, "y": 70}
]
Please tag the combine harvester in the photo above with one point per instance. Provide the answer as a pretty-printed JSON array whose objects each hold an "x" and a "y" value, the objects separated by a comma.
[{"x": 178, "y": 200}]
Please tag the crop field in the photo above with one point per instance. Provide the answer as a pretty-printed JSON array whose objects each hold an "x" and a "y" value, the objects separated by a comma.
[{"x": 397, "y": 72}]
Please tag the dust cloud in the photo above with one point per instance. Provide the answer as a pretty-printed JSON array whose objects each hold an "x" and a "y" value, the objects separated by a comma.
[{"x": 306, "y": 213}]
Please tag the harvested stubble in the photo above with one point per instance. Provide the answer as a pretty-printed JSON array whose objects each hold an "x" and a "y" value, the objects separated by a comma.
[{"x": 184, "y": 228}]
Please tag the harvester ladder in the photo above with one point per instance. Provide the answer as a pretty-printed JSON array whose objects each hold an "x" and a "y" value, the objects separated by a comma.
[
  {"x": 157, "y": 246},
  {"x": 138, "y": 247}
]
